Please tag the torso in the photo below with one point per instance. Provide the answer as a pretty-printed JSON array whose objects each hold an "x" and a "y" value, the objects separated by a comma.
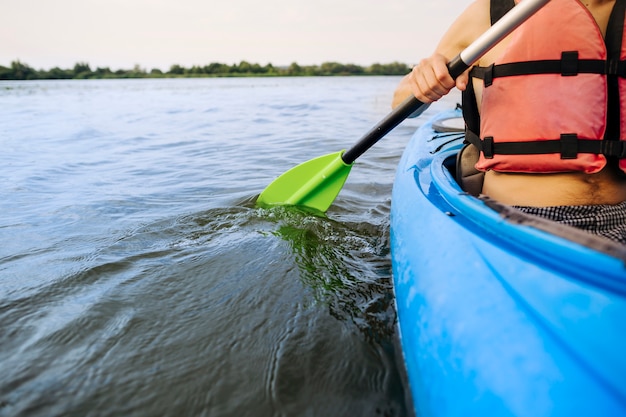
[{"x": 575, "y": 188}]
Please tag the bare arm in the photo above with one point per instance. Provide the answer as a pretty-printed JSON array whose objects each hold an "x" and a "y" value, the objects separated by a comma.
[{"x": 430, "y": 80}]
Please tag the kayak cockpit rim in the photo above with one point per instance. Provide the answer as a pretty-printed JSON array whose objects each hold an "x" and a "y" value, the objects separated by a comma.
[{"x": 554, "y": 243}]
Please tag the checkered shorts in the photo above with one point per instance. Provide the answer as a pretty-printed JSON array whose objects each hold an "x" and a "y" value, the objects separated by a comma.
[{"x": 604, "y": 220}]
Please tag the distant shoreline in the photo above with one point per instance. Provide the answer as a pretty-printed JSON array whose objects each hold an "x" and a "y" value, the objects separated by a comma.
[{"x": 21, "y": 71}]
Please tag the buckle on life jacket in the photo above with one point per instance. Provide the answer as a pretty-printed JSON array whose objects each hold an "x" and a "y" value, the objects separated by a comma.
[
  {"x": 616, "y": 68},
  {"x": 569, "y": 145},
  {"x": 569, "y": 63},
  {"x": 612, "y": 67},
  {"x": 614, "y": 148},
  {"x": 487, "y": 147}
]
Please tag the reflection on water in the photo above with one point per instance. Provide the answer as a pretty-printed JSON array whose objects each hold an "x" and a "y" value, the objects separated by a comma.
[{"x": 346, "y": 268}]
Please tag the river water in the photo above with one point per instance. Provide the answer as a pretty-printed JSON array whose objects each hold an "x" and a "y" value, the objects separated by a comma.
[{"x": 138, "y": 278}]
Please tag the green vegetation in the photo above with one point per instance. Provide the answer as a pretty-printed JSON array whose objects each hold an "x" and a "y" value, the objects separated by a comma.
[{"x": 21, "y": 71}]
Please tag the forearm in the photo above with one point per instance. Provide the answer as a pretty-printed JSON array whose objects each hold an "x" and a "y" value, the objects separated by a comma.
[{"x": 429, "y": 80}]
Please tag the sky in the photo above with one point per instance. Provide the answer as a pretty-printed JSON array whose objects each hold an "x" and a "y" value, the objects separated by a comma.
[{"x": 122, "y": 34}]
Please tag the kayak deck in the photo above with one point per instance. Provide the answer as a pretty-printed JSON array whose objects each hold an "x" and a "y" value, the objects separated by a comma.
[{"x": 496, "y": 315}]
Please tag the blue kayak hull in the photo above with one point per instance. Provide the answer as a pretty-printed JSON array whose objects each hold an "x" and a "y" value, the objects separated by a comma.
[{"x": 498, "y": 318}]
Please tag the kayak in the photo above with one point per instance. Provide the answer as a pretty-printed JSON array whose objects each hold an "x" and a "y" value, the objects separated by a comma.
[{"x": 500, "y": 313}]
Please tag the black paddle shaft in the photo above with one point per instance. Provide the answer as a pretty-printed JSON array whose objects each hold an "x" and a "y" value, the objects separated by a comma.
[{"x": 456, "y": 67}]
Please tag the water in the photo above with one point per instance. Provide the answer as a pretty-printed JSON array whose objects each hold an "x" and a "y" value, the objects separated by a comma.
[{"x": 138, "y": 278}]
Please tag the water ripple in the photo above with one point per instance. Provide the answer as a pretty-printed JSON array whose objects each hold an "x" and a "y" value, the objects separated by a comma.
[{"x": 138, "y": 279}]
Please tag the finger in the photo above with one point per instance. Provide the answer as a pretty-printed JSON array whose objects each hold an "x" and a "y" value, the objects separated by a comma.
[
  {"x": 441, "y": 79},
  {"x": 462, "y": 80},
  {"x": 427, "y": 83}
]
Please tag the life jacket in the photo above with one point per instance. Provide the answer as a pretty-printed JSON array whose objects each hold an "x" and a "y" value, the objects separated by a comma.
[{"x": 555, "y": 101}]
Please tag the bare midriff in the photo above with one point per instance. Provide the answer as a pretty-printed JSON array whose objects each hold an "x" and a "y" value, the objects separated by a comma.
[{"x": 545, "y": 190}]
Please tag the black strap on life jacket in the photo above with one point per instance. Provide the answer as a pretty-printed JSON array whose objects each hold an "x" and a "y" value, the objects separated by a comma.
[
  {"x": 568, "y": 145},
  {"x": 499, "y": 8},
  {"x": 569, "y": 65},
  {"x": 613, "y": 42}
]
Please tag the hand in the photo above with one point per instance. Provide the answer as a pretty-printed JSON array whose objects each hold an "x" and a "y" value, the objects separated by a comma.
[{"x": 428, "y": 81}]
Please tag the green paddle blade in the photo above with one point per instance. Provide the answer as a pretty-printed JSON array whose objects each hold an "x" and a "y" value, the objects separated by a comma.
[{"x": 313, "y": 184}]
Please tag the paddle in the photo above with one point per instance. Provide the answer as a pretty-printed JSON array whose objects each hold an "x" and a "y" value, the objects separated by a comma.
[{"x": 316, "y": 183}]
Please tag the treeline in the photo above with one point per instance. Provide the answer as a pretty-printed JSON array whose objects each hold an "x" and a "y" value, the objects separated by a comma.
[{"x": 21, "y": 71}]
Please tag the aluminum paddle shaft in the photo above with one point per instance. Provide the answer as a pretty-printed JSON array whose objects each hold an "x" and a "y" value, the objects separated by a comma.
[{"x": 503, "y": 27}]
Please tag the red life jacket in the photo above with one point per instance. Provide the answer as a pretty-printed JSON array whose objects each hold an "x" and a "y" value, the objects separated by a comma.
[{"x": 555, "y": 101}]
